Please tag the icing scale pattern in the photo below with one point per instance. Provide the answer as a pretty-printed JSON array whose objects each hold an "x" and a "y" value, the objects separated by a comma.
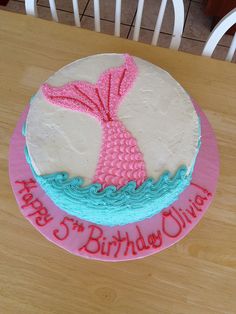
[{"x": 120, "y": 160}]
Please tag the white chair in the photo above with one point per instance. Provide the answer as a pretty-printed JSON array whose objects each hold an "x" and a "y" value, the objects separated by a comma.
[
  {"x": 220, "y": 29},
  {"x": 31, "y": 9}
]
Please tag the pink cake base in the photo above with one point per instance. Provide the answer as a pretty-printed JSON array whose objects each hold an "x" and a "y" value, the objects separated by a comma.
[{"x": 120, "y": 243}]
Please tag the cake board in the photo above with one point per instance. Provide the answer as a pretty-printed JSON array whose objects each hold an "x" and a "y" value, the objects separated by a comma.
[{"x": 118, "y": 243}]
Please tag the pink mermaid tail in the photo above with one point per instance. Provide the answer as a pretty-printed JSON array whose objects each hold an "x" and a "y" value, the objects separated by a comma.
[{"x": 120, "y": 159}]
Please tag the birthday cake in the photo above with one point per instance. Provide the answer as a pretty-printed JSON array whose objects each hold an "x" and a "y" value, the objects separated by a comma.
[
  {"x": 112, "y": 139},
  {"x": 112, "y": 159}
]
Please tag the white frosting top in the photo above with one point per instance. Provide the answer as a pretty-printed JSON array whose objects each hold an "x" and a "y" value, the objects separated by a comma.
[{"x": 157, "y": 111}]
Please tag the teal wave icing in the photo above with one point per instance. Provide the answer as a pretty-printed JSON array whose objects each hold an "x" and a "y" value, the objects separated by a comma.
[
  {"x": 110, "y": 206},
  {"x": 23, "y": 131}
]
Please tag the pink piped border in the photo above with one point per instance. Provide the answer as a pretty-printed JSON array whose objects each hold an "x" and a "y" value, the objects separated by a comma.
[{"x": 119, "y": 243}]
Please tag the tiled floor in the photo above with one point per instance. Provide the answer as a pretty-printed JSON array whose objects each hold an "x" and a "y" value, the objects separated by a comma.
[{"x": 196, "y": 29}]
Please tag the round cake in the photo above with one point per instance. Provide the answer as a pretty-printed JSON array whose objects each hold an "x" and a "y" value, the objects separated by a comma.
[
  {"x": 112, "y": 139},
  {"x": 112, "y": 160}
]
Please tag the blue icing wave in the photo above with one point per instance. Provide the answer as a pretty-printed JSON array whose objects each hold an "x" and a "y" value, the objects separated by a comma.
[
  {"x": 23, "y": 131},
  {"x": 111, "y": 206}
]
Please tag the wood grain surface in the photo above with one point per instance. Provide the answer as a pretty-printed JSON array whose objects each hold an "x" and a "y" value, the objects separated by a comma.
[{"x": 198, "y": 275}]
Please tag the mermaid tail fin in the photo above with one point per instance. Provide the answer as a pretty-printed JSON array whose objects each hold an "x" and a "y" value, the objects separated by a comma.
[
  {"x": 100, "y": 100},
  {"x": 120, "y": 159}
]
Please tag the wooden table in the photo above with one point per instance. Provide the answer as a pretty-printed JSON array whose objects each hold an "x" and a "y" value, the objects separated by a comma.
[{"x": 195, "y": 276}]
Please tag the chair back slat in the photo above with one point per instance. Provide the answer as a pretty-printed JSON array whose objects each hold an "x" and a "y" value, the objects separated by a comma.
[
  {"x": 178, "y": 24},
  {"x": 219, "y": 30},
  {"x": 159, "y": 22},
  {"x": 31, "y": 7},
  {"x": 231, "y": 50},
  {"x": 53, "y": 10},
  {"x": 76, "y": 12},
  {"x": 97, "y": 23},
  {"x": 117, "y": 18},
  {"x": 138, "y": 20}
]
